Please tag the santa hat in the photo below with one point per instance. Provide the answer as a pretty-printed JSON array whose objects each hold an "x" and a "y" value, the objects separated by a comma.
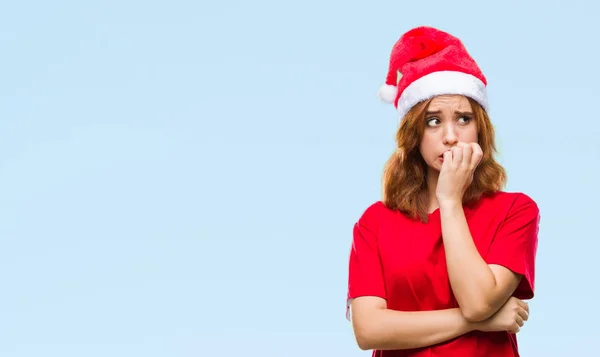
[{"x": 426, "y": 62}]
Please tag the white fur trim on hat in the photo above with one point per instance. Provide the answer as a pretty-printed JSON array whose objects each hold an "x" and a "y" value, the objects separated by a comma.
[{"x": 439, "y": 83}]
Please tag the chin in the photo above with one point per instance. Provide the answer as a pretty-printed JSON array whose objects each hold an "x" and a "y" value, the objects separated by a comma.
[{"x": 435, "y": 165}]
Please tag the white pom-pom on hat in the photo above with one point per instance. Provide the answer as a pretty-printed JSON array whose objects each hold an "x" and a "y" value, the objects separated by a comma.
[{"x": 387, "y": 93}]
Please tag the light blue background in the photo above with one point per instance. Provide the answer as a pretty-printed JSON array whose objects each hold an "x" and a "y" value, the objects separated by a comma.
[{"x": 180, "y": 178}]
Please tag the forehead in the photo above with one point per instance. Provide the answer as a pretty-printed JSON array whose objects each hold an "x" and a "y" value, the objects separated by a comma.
[{"x": 450, "y": 102}]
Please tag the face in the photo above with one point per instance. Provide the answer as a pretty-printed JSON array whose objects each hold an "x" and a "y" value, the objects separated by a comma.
[{"x": 449, "y": 120}]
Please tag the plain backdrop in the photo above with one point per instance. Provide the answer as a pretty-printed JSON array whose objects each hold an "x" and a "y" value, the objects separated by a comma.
[{"x": 181, "y": 178}]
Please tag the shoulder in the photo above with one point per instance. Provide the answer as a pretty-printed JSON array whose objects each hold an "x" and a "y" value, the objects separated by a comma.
[
  {"x": 375, "y": 213},
  {"x": 509, "y": 200},
  {"x": 510, "y": 205},
  {"x": 376, "y": 208}
]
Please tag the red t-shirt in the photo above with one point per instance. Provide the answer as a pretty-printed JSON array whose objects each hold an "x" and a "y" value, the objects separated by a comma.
[{"x": 403, "y": 261}]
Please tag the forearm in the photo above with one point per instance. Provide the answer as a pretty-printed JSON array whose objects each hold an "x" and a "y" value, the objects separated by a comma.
[
  {"x": 473, "y": 282},
  {"x": 389, "y": 329}
]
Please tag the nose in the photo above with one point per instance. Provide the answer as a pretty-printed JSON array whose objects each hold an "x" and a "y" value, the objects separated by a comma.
[{"x": 450, "y": 137}]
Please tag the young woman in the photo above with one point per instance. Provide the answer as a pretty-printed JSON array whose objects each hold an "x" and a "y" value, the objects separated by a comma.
[{"x": 441, "y": 266}]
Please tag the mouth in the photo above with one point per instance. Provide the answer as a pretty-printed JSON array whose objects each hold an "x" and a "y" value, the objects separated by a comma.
[{"x": 441, "y": 157}]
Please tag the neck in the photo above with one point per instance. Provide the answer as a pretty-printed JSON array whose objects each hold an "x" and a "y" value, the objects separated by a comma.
[{"x": 432, "y": 180}]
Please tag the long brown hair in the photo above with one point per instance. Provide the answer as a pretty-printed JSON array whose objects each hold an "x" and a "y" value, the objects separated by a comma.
[{"x": 405, "y": 173}]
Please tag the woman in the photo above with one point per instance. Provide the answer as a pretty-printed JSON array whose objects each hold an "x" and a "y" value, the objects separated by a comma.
[{"x": 441, "y": 266}]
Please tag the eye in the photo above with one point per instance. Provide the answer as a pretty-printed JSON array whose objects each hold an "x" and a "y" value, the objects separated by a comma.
[
  {"x": 465, "y": 119},
  {"x": 432, "y": 121}
]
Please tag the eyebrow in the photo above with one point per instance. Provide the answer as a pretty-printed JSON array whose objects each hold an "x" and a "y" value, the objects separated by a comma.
[{"x": 429, "y": 112}]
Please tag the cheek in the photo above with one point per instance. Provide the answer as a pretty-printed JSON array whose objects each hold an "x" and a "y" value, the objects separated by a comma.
[
  {"x": 475, "y": 137},
  {"x": 474, "y": 133},
  {"x": 426, "y": 147},
  {"x": 470, "y": 136}
]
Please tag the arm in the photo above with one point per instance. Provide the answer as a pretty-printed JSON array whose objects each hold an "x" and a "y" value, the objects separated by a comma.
[
  {"x": 376, "y": 327},
  {"x": 481, "y": 286},
  {"x": 480, "y": 289}
]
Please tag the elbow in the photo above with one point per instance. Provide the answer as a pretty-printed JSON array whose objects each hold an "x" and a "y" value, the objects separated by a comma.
[
  {"x": 363, "y": 345},
  {"x": 367, "y": 323},
  {"x": 363, "y": 340},
  {"x": 477, "y": 313},
  {"x": 368, "y": 336}
]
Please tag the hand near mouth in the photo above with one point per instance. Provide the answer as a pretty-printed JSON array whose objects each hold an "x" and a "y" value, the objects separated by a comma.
[{"x": 458, "y": 167}]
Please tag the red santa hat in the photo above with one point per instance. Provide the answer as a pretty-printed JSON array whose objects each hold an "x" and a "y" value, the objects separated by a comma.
[{"x": 426, "y": 62}]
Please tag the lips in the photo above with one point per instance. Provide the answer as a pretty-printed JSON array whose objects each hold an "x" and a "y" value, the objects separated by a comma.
[{"x": 441, "y": 157}]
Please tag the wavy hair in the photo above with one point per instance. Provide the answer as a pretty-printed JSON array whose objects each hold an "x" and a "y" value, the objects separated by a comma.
[{"x": 405, "y": 174}]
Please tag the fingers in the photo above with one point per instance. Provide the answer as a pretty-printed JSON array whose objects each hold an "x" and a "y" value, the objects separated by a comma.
[
  {"x": 523, "y": 314},
  {"x": 523, "y": 304},
  {"x": 516, "y": 327},
  {"x": 447, "y": 160},
  {"x": 467, "y": 152},
  {"x": 457, "y": 155},
  {"x": 523, "y": 310},
  {"x": 476, "y": 156},
  {"x": 467, "y": 155},
  {"x": 520, "y": 321}
]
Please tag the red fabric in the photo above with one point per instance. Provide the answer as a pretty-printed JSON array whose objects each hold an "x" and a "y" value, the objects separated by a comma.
[
  {"x": 424, "y": 50},
  {"x": 403, "y": 261}
]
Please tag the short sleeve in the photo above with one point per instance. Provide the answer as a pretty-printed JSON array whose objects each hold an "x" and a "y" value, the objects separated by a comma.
[
  {"x": 365, "y": 273},
  {"x": 515, "y": 243}
]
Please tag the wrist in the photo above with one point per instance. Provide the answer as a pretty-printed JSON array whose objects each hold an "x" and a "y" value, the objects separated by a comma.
[
  {"x": 449, "y": 203},
  {"x": 474, "y": 326},
  {"x": 466, "y": 325}
]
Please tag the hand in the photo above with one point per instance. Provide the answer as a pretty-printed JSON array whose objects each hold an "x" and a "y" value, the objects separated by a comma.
[
  {"x": 457, "y": 171},
  {"x": 511, "y": 317}
]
